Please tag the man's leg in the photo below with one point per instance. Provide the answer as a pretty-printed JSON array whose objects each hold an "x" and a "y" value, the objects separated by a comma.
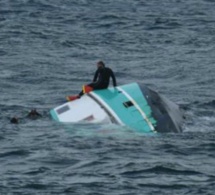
[{"x": 87, "y": 88}]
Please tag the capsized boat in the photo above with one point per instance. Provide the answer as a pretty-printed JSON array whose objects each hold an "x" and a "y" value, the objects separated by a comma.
[{"x": 134, "y": 105}]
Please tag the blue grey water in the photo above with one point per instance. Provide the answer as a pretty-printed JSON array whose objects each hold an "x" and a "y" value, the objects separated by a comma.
[{"x": 49, "y": 48}]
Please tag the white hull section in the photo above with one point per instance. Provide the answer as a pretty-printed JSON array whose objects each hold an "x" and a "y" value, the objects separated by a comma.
[{"x": 81, "y": 110}]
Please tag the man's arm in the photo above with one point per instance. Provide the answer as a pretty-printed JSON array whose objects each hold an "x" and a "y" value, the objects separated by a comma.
[
  {"x": 95, "y": 75},
  {"x": 113, "y": 78}
]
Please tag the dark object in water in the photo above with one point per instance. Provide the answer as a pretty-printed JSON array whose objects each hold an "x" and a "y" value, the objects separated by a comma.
[
  {"x": 33, "y": 114},
  {"x": 14, "y": 120}
]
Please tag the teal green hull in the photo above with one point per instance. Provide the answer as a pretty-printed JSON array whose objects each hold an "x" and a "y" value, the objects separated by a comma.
[{"x": 130, "y": 116}]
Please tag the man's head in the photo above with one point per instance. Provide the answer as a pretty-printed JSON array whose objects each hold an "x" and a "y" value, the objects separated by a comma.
[
  {"x": 100, "y": 64},
  {"x": 14, "y": 120}
]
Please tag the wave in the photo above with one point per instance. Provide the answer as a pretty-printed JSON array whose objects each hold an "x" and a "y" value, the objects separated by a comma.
[
  {"x": 15, "y": 153},
  {"x": 208, "y": 104},
  {"x": 160, "y": 170}
]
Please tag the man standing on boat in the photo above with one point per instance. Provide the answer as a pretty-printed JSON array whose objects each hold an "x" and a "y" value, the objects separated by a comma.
[{"x": 100, "y": 81}]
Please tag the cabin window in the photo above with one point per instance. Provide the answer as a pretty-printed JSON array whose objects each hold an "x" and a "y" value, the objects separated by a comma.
[
  {"x": 63, "y": 109},
  {"x": 89, "y": 118},
  {"x": 128, "y": 104}
]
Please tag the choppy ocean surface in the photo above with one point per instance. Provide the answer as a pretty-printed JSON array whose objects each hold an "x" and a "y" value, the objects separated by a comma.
[{"x": 49, "y": 48}]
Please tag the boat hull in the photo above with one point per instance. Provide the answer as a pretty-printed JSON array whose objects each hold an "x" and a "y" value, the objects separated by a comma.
[{"x": 132, "y": 105}]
